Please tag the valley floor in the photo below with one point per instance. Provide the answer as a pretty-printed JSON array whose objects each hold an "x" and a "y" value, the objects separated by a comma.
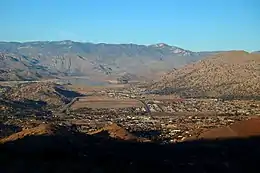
[
  {"x": 167, "y": 119},
  {"x": 119, "y": 128}
]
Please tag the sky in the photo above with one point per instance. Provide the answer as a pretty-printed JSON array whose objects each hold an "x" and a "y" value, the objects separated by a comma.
[{"x": 197, "y": 25}]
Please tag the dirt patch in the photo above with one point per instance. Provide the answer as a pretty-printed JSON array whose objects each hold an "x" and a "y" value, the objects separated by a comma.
[
  {"x": 83, "y": 89},
  {"x": 105, "y": 102}
]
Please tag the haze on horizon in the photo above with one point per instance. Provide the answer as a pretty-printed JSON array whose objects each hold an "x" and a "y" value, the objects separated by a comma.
[{"x": 195, "y": 25}]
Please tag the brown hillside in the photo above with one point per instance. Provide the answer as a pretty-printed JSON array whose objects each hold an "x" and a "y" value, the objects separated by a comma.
[
  {"x": 46, "y": 93},
  {"x": 230, "y": 74},
  {"x": 117, "y": 132},
  {"x": 43, "y": 129},
  {"x": 242, "y": 129}
]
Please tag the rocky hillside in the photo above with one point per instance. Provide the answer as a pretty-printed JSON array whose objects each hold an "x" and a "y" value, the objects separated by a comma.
[
  {"x": 35, "y": 95},
  {"x": 17, "y": 67},
  {"x": 230, "y": 74},
  {"x": 75, "y": 58}
]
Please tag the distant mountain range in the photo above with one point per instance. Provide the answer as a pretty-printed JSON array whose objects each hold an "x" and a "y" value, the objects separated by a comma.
[{"x": 46, "y": 58}]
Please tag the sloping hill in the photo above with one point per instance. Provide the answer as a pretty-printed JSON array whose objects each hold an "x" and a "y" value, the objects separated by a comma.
[
  {"x": 44, "y": 129},
  {"x": 38, "y": 95},
  {"x": 230, "y": 74},
  {"x": 117, "y": 132}
]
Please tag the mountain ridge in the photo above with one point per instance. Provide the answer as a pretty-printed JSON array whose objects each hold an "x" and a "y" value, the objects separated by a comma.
[
  {"x": 96, "y": 60},
  {"x": 99, "y": 60},
  {"x": 159, "y": 44}
]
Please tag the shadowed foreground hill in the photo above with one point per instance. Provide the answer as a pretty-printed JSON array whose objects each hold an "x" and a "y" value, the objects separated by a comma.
[
  {"x": 230, "y": 74},
  {"x": 62, "y": 150}
]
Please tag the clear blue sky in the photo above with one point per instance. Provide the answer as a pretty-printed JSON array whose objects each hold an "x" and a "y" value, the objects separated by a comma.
[{"x": 190, "y": 24}]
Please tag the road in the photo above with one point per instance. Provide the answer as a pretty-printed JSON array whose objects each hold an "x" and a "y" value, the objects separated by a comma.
[{"x": 21, "y": 82}]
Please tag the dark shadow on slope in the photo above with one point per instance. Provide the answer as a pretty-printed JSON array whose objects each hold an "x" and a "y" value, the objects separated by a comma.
[
  {"x": 149, "y": 134},
  {"x": 31, "y": 104},
  {"x": 7, "y": 129},
  {"x": 3, "y": 71},
  {"x": 25, "y": 109},
  {"x": 25, "y": 104},
  {"x": 75, "y": 152},
  {"x": 67, "y": 93}
]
